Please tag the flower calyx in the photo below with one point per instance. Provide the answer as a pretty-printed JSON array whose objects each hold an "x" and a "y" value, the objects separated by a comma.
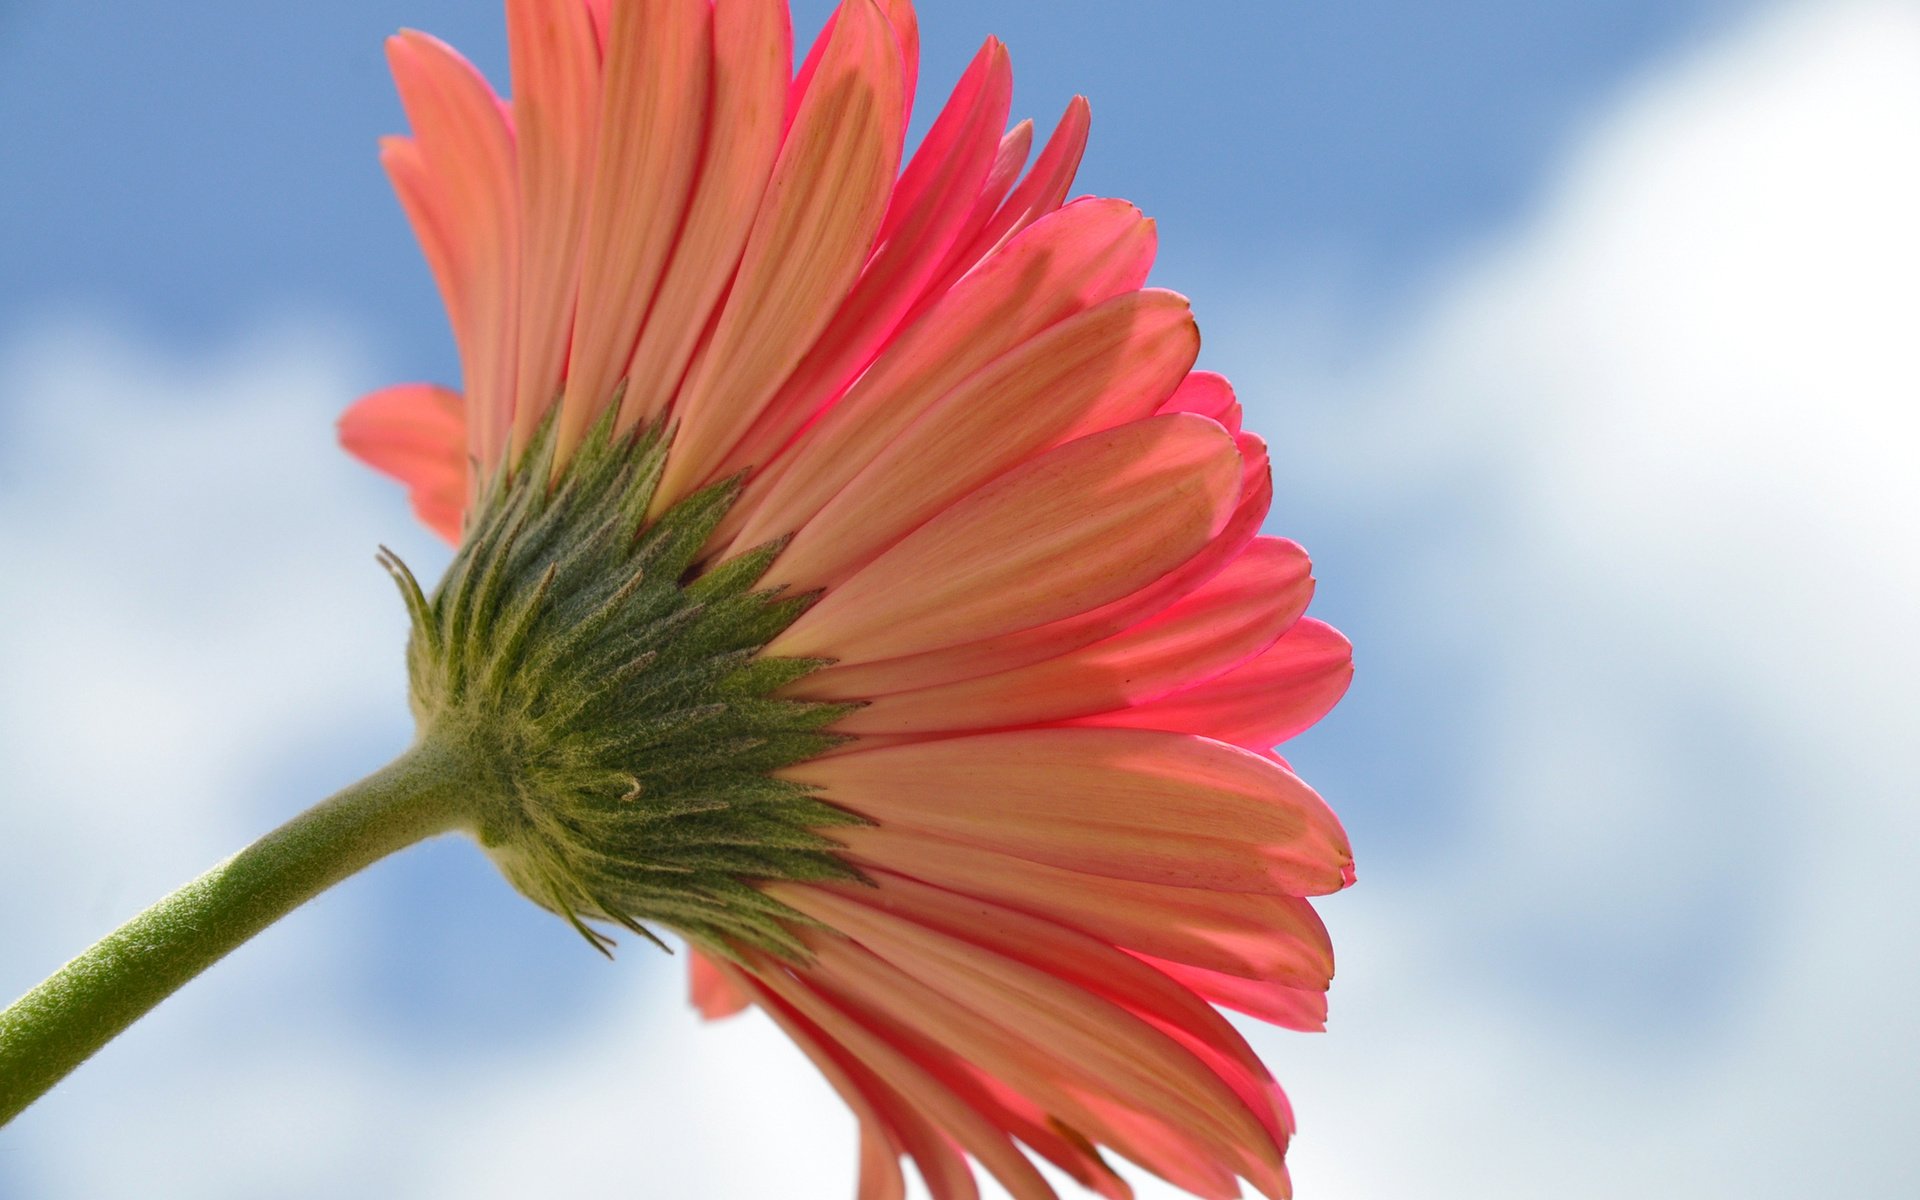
[{"x": 611, "y": 683}]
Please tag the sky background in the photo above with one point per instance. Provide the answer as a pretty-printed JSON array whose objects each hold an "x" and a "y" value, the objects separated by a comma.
[{"x": 1585, "y": 337}]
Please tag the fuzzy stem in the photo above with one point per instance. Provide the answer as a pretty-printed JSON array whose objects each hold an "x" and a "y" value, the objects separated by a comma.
[{"x": 430, "y": 789}]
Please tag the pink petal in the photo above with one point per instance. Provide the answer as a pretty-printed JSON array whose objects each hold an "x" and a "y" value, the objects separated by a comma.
[
  {"x": 970, "y": 660},
  {"x": 1209, "y": 395},
  {"x": 906, "y": 30},
  {"x": 995, "y": 1100},
  {"x": 920, "y": 1088},
  {"x": 880, "y": 1176},
  {"x": 928, "y": 207},
  {"x": 1217, "y": 626},
  {"x": 416, "y": 433},
  {"x": 444, "y": 247},
  {"x": 556, "y": 90},
  {"x": 1133, "y": 804},
  {"x": 1015, "y": 145},
  {"x": 1073, "y": 529},
  {"x": 1110, "y": 1069},
  {"x": 752, "y": 55},
  {"x": 1081, "y": 256},
  {"x": 1290, "y": 1007},
  {"x": 1249, "y": 934},
  {"x": 1003, "y": 1047},
  {"x": 713, "y": 993},
  {"x": 1072, "y": 957},
  {"x": 1261, "y": 703},
  {"x": 1105, "y": 367},
  {"x": 462, "y": 182},
  {"x": 652, "y": 126},
  {"x": 880, "y": 1111},
  {"x": 813, "y": 233},
  {"x": 1043, "y": 191}
]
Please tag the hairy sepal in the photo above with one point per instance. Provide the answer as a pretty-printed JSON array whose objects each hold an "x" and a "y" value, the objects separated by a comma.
[{"x": 612, "y": 684}]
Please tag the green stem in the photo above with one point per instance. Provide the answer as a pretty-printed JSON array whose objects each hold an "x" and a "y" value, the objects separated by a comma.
[{"x": 57, "y": 1026}]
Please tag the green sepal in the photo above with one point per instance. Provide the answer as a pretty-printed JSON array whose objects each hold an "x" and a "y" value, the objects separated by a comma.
[{"x": 615, "y": 686}]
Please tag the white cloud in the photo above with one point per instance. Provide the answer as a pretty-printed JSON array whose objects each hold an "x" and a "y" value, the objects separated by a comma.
[{"x": 1682, "y": 406}]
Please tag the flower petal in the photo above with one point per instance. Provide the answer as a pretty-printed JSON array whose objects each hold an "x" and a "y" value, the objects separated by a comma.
[
  {"x": 1076, "y": 959},
  {"x": 1108, "y": 366},
  {"x": 415, "y": 432},
  {"x": 1209, "y": 395},
  {"x": 1015, "y": 146},
  {"x": 970, "y": 660},
  {"x": 1224, "y": 622},
  {"x": 752, "y": 56},
  {"x": 1133, "y": 804},
  {"x": 463, "y": 182},
  {"x": 1299, "y": 1008},
  {"x": 652, "y": 124},
  {"x": 710, "y": 989},
  {"x": 1260, "y": 703},
  {"x": 1094, "y": 1061},
  {"x": 918, "y": 1087},
  {"x": 880, "y": 1176},
  {"x": 880, "y": 1111},
  {"x": 556, "y": 89},
  {"x": 1075, "y": 528},
  {"x": 927, "y": 210},
  {"x": 1043, "y": 191},
  {"x": 1249, "y": 934},
  {"x": 813, "y": 233},
  {"x": 1082, "y": 255}
]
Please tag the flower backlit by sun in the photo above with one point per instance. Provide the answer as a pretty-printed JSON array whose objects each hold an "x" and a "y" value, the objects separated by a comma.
[{"x": 856, "y": 578}]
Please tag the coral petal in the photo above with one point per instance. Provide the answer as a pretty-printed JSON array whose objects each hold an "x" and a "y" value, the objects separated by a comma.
[
  {"x": 917, "y": 1086},
  {"x": 1134, "y": 804},
  {"x": 1248, "y": 934},
  {"x": 1105, "y": 367},
  {"x": 1094, "y": 965},
  {"x": 1044, "y": 189},
  {"x": 752, "y": 55},
  {"x": 1285, "y": 1005},
  {"x": 813, "y": 233},
  {"x": 880, "y": 1177},
  {"x": 652, "y": 126},
  {"x": 970, "y": 660},
  {"x": 415, "y": 432},
  {"x": 556, "y": 89},
  {"x": 1080, "y": 256},
  {"x": 466, "y": 180},
  {"x": 1209, "y": 395},
  {"x": 1055, "y": 1039},
  {"x": 1073, "y": 529},
  {"x": 710, "y": 989},
  {"x": 1224, "y": 622},
  {"x": 1260, "y": 703},
  {"x": 926, "y": 213},
  {"x": 878, "y": 1108}
]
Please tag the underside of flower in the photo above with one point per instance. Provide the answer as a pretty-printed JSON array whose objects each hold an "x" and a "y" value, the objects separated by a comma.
[
  {"x": 613, "y": 687},
  {"x": 856, "y": 576}
]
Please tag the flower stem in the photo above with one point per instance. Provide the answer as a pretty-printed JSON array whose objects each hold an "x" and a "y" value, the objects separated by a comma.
[{"x": 430, "y": 789}]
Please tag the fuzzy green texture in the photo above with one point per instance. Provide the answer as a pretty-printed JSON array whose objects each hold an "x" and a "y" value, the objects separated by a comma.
[{"x": 613, "y": 684}]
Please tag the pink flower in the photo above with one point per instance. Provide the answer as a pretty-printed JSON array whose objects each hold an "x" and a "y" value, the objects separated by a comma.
[{"x": 1032, "y": 528}]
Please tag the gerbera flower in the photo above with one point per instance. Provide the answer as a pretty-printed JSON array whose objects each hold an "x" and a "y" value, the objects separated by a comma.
[{"x": 856, "y": 578}]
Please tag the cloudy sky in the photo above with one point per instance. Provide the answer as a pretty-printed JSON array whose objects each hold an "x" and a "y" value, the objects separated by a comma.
[{"x": 1584, "y": 334}]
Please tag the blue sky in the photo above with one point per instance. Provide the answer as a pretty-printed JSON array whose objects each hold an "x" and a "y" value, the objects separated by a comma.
[
  {"x": 1579, "y": 334},
  {"x": 188, "y": 170}
]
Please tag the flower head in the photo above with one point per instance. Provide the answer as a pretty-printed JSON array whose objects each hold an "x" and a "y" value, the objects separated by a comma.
[{"x": 855, "y": 577}]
